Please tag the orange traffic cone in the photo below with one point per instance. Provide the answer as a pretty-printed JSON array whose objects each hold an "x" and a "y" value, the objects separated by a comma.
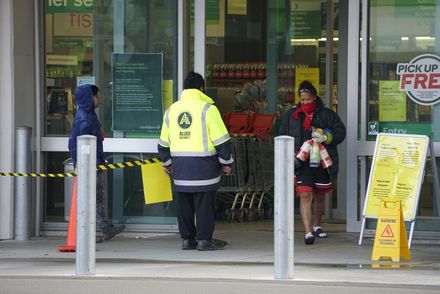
[{"x": 71, "y": 229}]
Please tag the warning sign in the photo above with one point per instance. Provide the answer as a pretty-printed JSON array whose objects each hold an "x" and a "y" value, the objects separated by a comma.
[
  {"x": 388, "y": 232},
  {"x": 390, "y": 241}
]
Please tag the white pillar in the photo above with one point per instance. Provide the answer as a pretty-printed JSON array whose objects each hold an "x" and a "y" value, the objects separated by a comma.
[
  {"x": 6, "y": 119},
  {"x": 283, "y": 207},
  {"x": 86, "y": 205}
]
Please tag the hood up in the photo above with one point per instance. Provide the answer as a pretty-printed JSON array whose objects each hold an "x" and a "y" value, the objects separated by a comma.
[{"x": 84, "y": 98}]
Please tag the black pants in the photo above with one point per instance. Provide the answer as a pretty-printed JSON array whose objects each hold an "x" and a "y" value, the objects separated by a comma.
[{"x": 202, "y": 206}]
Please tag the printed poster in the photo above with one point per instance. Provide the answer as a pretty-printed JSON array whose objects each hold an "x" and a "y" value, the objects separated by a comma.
[
  {"x": 392, "y": 102},
  {"x": 397, "y": 172},
  {"x": 167, "y": 92},
  {"x": 310, "y": 74}
]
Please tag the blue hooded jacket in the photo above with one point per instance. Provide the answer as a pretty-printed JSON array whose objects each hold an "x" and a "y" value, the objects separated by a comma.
[{"x": 86, "y": 122}]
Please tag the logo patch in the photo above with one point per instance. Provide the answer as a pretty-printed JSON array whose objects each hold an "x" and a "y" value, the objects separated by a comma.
[
  {"x": 184, "y": 120},
  {"x": 420, "y": 79}
]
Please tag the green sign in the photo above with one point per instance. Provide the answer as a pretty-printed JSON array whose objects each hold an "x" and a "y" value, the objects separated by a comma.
[
  {"x": 72, "y": 43},
  {"x": 137, "y": 92},
  {"x": 306, "y": 24},
  {"x": 56, "y": 6},
  {"x": 402, "y": 2},
  {"x": 406, "y": 128},
  {"x": 212, "y": 11},
  {"x": 373, "y": 128}
]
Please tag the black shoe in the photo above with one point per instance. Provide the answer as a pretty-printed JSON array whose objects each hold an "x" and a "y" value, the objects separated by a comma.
[
  {"x": 189, "y": 244},
  {"x": 111, "y": 231},
  {"x": 99, "y": 239},
  {"x": 208, "y": 245},
  {"x": 218, "y": 242},
  {"x": 309, "y": 239}
]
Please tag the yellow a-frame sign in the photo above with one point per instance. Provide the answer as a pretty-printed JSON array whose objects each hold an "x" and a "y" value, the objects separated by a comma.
[
  {"x": 390, "y": 242},
  {"x": 397, "y": 172}
]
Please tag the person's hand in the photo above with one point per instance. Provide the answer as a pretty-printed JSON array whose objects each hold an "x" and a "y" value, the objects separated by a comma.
[
  {"x": 227, "y": 169},
  {"x": 167, "y": 170},
  {"x": 319, "y": 138}
]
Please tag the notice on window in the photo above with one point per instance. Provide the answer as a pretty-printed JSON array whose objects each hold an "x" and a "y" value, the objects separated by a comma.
[
  {"x": 167, "y": 94},
  {"x": 238, "y": 7},
  {"x": 392, "y": 102},
  {"x": 306, "y": 74},
  {"x": 396, "y": 173},
  {"x": 137, "y": 92}
]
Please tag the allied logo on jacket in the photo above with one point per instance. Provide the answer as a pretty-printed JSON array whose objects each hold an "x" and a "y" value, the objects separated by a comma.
[{"x": 184, "y": 120}]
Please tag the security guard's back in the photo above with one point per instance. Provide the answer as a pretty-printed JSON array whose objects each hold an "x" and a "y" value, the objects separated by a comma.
[{"x": 193, "y": 146}]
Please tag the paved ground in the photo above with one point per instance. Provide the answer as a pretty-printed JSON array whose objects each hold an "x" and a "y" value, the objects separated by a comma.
[
  {"x": 194, "y": 286},
  {"x": 335, "y": 264}
]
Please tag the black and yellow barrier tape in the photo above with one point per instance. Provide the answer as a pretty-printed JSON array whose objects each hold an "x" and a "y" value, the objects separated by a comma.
[{"x": 107, "y": 166}]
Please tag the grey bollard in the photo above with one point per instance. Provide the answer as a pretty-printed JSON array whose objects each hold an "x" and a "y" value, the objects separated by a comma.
[
  {"x": 283, "y": 207},
  {"x": 86, "y": 206},
  {"x": 23, "y": 163}
]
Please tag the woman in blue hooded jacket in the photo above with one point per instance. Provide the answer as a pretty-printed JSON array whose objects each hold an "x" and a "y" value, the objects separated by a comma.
[{"x": 86, "y": 122}]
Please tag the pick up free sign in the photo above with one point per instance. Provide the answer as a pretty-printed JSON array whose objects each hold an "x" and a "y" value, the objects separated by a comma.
[{"x": 420, "y": 79}]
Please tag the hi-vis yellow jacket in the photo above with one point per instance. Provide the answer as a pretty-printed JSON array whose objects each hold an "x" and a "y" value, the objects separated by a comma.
[{"x": 195, "y": 142}]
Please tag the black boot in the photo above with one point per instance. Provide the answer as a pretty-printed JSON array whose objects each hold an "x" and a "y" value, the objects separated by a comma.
[
  {"x": 189, "y": 244},
  {"x": 209, "y": 245},
  {"x": 109, "y": 231}
]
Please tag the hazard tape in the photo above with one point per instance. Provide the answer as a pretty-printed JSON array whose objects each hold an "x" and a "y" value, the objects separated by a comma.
[{"x": 108, "y": 166}]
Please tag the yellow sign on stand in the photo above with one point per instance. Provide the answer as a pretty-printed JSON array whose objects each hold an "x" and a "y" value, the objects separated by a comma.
[
  {"x": 390, "y": 242},
  {"x": 157, "y": 185},
  {"x": 397, "y": 172}
]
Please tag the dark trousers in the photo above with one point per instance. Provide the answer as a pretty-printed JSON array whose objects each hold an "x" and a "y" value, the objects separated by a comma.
[
  {"x": 100, "y": 199},
  {"x": 202, "y": 206}
]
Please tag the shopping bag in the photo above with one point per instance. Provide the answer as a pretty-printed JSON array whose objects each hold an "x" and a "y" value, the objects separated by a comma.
[{"x": 157, "y": 185}]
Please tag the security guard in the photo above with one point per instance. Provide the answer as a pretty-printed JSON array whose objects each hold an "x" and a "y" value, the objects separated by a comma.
[{"x": 194, "y": 147}]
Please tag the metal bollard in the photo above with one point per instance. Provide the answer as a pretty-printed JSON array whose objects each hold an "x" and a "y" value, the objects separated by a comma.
[
  {"x": 86, "y": 205},
  {"x": 23, "y": 162},
  {"x": 283, "y": 207}
]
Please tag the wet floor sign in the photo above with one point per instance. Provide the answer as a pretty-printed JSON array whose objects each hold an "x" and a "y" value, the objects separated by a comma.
[{"x": 390, "y": 242}]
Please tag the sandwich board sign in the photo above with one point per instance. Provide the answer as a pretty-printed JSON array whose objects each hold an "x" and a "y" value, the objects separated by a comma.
[
  {"x": 397, "y": 172},
  {"x": 390, "y": 241}
]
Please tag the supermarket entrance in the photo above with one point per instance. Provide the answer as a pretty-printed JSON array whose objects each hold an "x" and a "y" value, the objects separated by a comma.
[{"x": 255, "y": 55}]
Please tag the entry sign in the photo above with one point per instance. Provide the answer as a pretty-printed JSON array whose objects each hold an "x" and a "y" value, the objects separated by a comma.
[
  {"x": 397, "y": 172},
  {"x": 390, "y": 241}
]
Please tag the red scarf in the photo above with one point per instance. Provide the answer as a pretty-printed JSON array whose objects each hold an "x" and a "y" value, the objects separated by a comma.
[{"x": 308, "y": 111}]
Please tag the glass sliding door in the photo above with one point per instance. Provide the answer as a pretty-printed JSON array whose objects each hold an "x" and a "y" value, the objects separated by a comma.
[
  {"x": 257, "y": 52},
  {"x": 90, "y": 42},
  {"x": 401, "y": 33}
]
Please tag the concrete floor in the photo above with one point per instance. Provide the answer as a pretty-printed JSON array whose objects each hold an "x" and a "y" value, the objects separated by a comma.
[{"x": 248, "y": 257}]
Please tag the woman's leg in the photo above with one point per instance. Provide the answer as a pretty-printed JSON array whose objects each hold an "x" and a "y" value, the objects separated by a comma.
[
  {"x": 319, "y": 207},
  {"x": 306, "y": 210}
]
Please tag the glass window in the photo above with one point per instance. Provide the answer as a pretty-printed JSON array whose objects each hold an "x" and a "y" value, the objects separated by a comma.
[
  {"x": 80, "y": 40},
  {"x": 400, "y": 31},
  {"x": 124, "y": 194},
  {"x": 238, "y": 48},
  {"x": 83, "y": 39},
  {"x": 404, "y": 81}
]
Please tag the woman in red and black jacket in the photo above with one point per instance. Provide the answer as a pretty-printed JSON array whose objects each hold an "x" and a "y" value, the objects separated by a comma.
[{"x": 313, "y": 182}]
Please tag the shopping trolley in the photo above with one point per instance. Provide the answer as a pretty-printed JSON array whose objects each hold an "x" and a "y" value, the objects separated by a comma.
[{"x": 241, "y": 194}]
